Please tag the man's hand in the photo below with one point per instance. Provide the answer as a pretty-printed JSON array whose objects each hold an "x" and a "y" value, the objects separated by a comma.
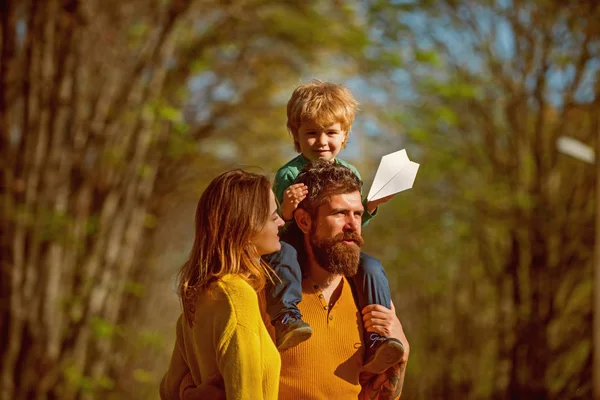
[
  {"x": 213, "y": 388},
  {"x": 292, "y": 196},
  {"x": 372, "y": 205},
  {"x": 388, "y": 385},
  {"x": 379, "y": 319}
]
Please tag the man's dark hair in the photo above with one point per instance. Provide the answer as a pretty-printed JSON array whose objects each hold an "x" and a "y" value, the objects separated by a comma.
[{"x": 325, "y": 179}]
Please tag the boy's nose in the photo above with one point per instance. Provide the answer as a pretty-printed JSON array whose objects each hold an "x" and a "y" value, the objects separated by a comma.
[{"x": 322, "y": 139}]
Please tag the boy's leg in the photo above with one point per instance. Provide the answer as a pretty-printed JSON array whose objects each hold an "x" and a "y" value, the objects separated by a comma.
[
  {"x": 371, "y": 283},
  {"x": 371, "y": 286},
  {"x": 284, "y": 294}
]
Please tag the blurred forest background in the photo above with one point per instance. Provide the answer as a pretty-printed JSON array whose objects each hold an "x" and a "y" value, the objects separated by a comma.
[{"x": 115, "y": 114}]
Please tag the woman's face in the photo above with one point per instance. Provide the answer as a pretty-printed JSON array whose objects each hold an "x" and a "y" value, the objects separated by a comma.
[{"x": 267, "y": 240}]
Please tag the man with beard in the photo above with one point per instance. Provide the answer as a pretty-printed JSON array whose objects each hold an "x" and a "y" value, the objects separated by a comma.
[{"x": 329, "y": 364}]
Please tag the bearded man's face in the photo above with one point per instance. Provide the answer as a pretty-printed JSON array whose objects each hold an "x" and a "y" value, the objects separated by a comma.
[{"x": 335, "y": 234}]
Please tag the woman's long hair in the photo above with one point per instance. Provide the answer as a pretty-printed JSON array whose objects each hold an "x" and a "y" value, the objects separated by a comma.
[{"x": 232, "y": 210}]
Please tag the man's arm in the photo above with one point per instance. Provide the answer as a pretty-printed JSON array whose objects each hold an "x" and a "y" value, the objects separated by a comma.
[{"x": 388, "y": 385}]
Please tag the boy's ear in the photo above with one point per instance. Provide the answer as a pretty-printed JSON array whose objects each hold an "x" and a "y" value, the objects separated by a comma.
[
  {"x": 303, "y": 220},
  {"x": 345, "y": 142}
]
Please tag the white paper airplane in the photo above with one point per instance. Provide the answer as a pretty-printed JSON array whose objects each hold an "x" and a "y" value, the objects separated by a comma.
[{"x": 396, "y": 173}]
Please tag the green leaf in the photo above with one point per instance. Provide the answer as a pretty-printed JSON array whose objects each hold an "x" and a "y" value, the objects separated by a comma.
[
  {"x": 102, "y": 328},
  {"x": 428, "y": 57},
  {"x": 170, "y": 113},
  {"x": 135, "y": 288}
]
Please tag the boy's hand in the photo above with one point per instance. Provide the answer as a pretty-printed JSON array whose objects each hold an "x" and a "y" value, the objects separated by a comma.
[
  {"x": 292, "y": 196},
  {"x": 372, "y": 205}
]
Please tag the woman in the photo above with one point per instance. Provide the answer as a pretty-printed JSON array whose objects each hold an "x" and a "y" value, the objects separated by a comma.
[{"x": 221, "y": 332}]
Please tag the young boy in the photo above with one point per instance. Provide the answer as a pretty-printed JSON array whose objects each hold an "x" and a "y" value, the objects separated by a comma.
[{"x": 320, "y": 116}]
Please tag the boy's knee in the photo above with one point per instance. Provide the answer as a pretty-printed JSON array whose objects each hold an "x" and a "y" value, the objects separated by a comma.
[
  {"x": 370, "y": 265},
  {"x": 288, "y": 249},
  {"x": 286, "y": 257}
]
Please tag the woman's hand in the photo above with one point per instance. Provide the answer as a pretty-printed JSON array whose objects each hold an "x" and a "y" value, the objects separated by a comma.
[
  {"x": 292, "y": 196},
  {"x": 213, "y": 389}
]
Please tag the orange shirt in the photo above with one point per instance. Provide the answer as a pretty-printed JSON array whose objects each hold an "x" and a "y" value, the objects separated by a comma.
[{"x": 327, "y": 365}]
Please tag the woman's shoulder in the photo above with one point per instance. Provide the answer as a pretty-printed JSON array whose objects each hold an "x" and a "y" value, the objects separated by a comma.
[
  {"x": 235, "y": 284},
  {"x": 241, "y": 298},
  {"x": 236, "y": 290}
]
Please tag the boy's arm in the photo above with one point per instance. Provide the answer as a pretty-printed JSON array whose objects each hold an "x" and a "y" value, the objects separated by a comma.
[
  {"x": 367, "y": 216},
  {"x": 283, "y": 179},
  {"x": 288, "y": 194}
]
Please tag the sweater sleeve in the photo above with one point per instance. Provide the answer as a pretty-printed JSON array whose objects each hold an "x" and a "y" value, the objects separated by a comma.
[
  {"x": 241, "y": 366},
  {"x": 178, "y": 369}
]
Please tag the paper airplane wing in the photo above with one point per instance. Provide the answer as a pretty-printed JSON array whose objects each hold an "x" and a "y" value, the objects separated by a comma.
[
  {"x": 388, "y": 168},
  {"x": 403, "y": 180},
  {"x": 396, "y": 173}
]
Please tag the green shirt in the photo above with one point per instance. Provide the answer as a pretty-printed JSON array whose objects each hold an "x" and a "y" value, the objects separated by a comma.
[{"x": 287, "y": 174}]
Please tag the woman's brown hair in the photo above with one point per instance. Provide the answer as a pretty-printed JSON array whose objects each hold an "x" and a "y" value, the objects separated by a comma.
[{"x": 232, "y": 210}]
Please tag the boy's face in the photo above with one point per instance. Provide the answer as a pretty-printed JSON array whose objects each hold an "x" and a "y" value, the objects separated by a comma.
[{"x": 320, "y": 143}]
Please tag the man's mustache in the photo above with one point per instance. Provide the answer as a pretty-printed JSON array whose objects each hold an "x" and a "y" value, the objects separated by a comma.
[{"x": 350, "y": 236}]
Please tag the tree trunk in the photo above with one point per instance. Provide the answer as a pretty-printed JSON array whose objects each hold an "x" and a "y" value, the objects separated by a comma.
[{"x": 78, "y": 168}]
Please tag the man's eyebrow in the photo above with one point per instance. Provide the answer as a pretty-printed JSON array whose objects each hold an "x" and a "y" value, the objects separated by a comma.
[{"x": 337, "y": 210}]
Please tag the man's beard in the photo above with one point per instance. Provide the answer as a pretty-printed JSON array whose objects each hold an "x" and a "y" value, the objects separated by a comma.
[{"x": 335, "y": 256}]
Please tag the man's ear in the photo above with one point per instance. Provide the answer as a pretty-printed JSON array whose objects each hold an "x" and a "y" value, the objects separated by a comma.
[{"x": 303, "y": 220}]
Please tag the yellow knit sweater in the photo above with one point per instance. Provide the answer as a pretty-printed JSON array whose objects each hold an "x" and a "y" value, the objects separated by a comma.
[
  {"x": 326, "y": 366},
  {"x": 228, "y": 337}
]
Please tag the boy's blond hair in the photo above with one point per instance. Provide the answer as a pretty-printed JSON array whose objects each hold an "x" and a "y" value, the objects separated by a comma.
[{"x": 322, "y": 103}]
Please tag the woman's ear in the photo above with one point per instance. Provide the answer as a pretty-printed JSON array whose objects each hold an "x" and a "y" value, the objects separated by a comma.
[{"x": 303, "y": 220}]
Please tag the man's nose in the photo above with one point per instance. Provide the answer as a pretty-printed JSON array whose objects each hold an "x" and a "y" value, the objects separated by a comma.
[{"x": 352, "y": 224}]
